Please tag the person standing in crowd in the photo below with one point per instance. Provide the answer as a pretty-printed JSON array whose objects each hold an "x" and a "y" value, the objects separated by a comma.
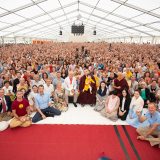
[
  {"x": 31, "y": 97},
  {"x": 72, "y": 66},
  {"x": 96, "y": 76},
  {"x": 133, "y": 86},
  {"x": 110, "y": 81},
  {"x": 16, "y": 81},
  {"x": 8, "y": 89},
  {"x": 120, "y": 84},
  {"x": 22, "y": 85},
  {"x": 147, "y": 78},
  {"x": 44, "y": 76},
  {"x": 145, "y": 94},
  {"x": 153, "y": 88},
  {"x": 37, "y": 81},
  {"x": 48, "y": 87},
  {"x": 57, "y": 79}
]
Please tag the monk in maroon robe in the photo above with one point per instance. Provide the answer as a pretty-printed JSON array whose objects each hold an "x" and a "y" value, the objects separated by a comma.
[
  {"x": 120, "y": 84},
  {"x": 87, "y": 97}
]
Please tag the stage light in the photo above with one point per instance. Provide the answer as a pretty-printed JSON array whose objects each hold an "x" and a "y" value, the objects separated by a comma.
[
  {"x": 60, "y": 32},
  {"x": 94, "y": 32}
]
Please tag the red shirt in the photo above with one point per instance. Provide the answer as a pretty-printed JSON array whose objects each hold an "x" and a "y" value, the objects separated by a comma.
[
  {"x": 25, "y": 77},
  {"x": 20, "y": 107},
  {"x": 51, "y": 68}
]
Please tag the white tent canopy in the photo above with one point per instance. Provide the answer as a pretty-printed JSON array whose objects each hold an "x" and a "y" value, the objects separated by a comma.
[{"x": 113, "y": 20}]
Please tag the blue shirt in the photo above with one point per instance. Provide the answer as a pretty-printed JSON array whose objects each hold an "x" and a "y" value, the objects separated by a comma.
[
  {"x": 41, "y": 101},
  {"x": 153, "y": 118},
  {"x": 55, "y": 81}
]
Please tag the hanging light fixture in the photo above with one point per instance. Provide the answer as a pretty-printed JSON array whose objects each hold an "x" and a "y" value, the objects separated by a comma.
[
  {"x": 60, "y": 32},
  {"x": 94, "y": 30}
]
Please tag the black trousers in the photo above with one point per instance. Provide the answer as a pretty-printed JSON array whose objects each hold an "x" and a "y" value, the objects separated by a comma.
[{"x": 48, "y": 112}]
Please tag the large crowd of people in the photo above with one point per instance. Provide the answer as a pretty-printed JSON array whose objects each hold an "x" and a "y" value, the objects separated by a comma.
[{"x": 118, "y": 80}]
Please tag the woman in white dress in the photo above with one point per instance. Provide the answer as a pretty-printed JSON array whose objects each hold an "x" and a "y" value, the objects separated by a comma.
[{"x": 136, "y": 107}]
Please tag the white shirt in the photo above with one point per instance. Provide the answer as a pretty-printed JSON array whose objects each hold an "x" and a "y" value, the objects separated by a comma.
[
  {"x": 40, "y": 82},
  {"x": 137, "y": 104},
  {"x": 48, "y": 89},
  {"x": 123, "y": 102},
  {"x": 68, "y": 85},
  {"x": 31, "y": 98},
  {"x": 8, "y": 90}
]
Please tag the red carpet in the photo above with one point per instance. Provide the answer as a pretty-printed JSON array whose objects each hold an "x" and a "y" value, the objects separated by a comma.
[{"x": 70, "y": 142}]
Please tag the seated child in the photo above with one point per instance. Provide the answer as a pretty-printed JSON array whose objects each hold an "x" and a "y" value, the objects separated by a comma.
[{"x": 88, "y": 82}]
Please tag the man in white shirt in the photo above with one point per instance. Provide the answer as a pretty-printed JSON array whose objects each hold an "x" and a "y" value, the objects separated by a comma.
[
  {"x": 48, "y": 87},
  {"x": 70, "y": 86},
  {"x": 36, "y": 81}
]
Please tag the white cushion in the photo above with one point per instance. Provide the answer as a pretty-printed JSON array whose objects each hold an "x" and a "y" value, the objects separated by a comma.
[{"x": 3, "y": 125}]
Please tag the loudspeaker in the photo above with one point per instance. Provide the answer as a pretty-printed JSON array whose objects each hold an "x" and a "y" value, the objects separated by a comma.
[{"x": 77, "y": 29}]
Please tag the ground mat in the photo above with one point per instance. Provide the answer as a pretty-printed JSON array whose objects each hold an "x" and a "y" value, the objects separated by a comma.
[{"x": 74, "y": 142}]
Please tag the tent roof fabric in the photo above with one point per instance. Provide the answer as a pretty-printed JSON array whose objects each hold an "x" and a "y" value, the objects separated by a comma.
[{"x": 110, "y": 18}]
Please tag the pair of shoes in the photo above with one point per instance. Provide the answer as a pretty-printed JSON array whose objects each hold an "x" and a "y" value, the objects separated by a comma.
[{"x": 74, "y": 104}]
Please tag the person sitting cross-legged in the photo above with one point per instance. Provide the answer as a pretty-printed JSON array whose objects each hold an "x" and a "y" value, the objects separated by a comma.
[
  {"x": 20, "y": 110},
  {"x": 111, "y": 106},
  {"x": 151, "y": 127},
  {"x": 136, "y": 107},
  {"x": 43, "y": 105},
  {"x": 125, "y": 101}
]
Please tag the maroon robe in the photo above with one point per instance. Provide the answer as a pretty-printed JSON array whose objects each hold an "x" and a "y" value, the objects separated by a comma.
[
  {"x": 86, "y": 97},
  {"x": 123, "y": 84}
]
